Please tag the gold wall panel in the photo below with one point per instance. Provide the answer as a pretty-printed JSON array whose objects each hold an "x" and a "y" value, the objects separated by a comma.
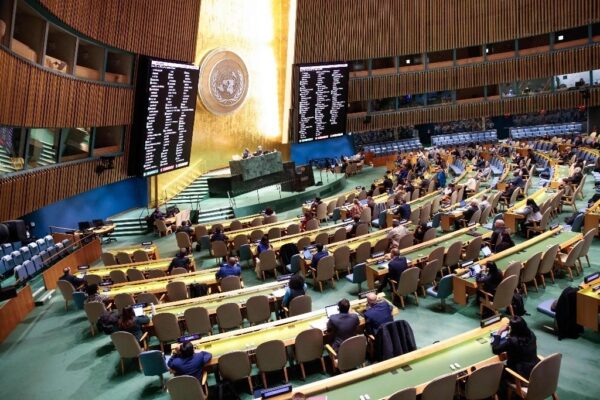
[{"x": 257, "y": 31}]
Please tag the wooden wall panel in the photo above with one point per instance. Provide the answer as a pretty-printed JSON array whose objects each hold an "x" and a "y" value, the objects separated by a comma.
[
  {"x": 159, "y": 28},
  {"x": 336, "y": 30},
  {"x": 454, "y": 112},
  {"x": 28, "y": 191},
  {"x": 32, "y": 96},
  {"x": 475, "y": 75}
]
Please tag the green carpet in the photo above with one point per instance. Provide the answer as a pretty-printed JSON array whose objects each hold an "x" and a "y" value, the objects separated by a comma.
[{"x": 51, "y": 355}]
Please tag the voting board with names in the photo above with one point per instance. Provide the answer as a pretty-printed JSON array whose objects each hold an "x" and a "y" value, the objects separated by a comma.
[
  {"x": 172, "y": 90},
  {"x": 323, "y": 91}
]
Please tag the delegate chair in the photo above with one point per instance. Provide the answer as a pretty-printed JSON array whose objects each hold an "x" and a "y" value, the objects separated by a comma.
[
  {"x": 322, "y": 238},
  {"x": 33, "y": 249},
  {"x": 293, "y": 229},
  {"x": 513, "y": 269},
  {"x": 41, "y": 244},
  {"x": 441, "y": 388},
  {"x": 588, "y": 238},
  {"x": 147, "y": 298},
  {"x": 341, "y": 257},
  {"x": 502, "y": 298},
  {"x": 258, "y": 310},
  {"x": 443, "y": 290},
  {"x": 37, "y": 261},
  {"x": 324, "y": 272},
  {"x": 267, "y": 263},
  {"x": 452, "y": 257},
  {"x": 140, "y": 256},
  {"x": 484, "y": 382},
  {"x": 271, "y": 356},
  {"x": 134, "y": 274},
  {"x": 361, "y": 230},
  {"x": 186, "y": 387},
  {"x": 156, "y": 273},
  {"x": 428, "y": 275},
  {"x": 108, "y": 259},
  {"x": 197, "y": 320},
  {"x": 363, "y": 252},
  {"x": 408, "y": 284},
  {"x": 405, "y": 394},
  {"x": 529, "y": 272},
  {"x": 66, "y": 289},
  {"x": 542, "y": 382},
  {"x": 235, "y": 366},
  {"x": 235, "y": 225},
  {"x": 309, "y": 347},
  {"x": 123, "y": 300},
  {"x": 256, "y": 235},
  {"x": 358, "y": 275},
  {"x": 350, "y": 355},
  {"x": 339, "y": 235},
  {"x": 92, "y": 279},
  {"x": 229, "y": 316},
  {"x": 299, "y": 305},
  {"x": 153, "y": 364},
  {"x": 218, "y": 249},
  {"x": 547, "y": 264},
  {"x": 127, "y": 346},
  {"x": 230, "y": 283},
  {"x": 245, "y": 253},
  {"x": 29, "y": 268},
  {"x": 166, "y": 328},
  {"x": 117, "y": 276},
  {"x": 178, "y": 271},
  {"x": 568, "y": 260},
  {"x": 163, "y": 229},
  {"x": 177, "y": 291},
  {"x": 183, "y": 241},
  {"x": 123, "y": 258},
  {"x": 93, "y": 311}
]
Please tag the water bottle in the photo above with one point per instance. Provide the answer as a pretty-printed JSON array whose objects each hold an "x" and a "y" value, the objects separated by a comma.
[{"x": 153, "y": 310}]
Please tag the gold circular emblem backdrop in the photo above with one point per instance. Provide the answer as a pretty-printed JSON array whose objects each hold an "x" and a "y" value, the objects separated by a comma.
[{"x": 223, "y": 83}]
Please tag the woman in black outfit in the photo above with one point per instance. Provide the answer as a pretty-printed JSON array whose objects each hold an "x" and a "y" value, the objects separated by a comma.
[
  {"x": 520, "y": 346},
  {"x": 128, "y": 322}
]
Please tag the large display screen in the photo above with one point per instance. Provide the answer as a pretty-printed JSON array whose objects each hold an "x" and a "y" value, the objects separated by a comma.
[
  {"x": 166, "y": 93},
  {"x": 323, "y": 90}
]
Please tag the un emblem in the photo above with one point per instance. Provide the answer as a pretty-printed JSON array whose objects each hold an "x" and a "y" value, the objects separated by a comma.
[{"x": 223, "y": 83}]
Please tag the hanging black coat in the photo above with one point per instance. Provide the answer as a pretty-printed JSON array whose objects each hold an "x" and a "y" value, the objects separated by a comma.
[
  {"x": 393, "y": 339},
  {"x": 566, "y": 315}
]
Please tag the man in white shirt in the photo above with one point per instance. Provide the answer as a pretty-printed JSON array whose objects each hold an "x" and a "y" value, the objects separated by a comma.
[{"x": 397, "y": 232}]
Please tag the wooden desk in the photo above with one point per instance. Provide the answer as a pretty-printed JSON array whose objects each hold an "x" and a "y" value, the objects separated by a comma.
[
  {"x": 159, "y": 285},
  {"x": 414, "y": 205},
  {"x": 265, "y": 228},
  {"x": 352, "y": 243},
  {"x": 86, "y": 254},
  {"x": 380, "y": 380},
  {"x": 151, "y": 250},
  {"x": 376, "y": 270},
  {"x": 591, "y": 219},
  {"x": 462, "y": 287},
  {"x": 454, "y": 212},
  {"x": 306, "y": 207},
  {"x": 588, "y": 305},
  {"x": 274, "y": 291},
  {"x": 144, "y": 266},
  {"x": 276, "y": 244},
  {"x": 14, "y": 310},
  {"x": 284, "y": 329},
  {"x": 245, "y": 221},
  {"x": 512, "y": 215}
]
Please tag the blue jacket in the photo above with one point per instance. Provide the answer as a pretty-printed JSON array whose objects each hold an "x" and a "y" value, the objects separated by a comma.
[
  {"x": 396, "y": 267},
  {"x": 377, "y": 315},
  {"x": 190, "y": 366},
  {"x": 228, "y": 270},
  {"x": 262, "y": 247},
  {"x": 318, "y": 256},
  {"x": 404, "y": 211},
  {"x": 441, "y": 178}
]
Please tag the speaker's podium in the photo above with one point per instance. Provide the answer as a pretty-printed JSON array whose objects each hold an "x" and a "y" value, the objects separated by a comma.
[{"x": 257, "y": 172}]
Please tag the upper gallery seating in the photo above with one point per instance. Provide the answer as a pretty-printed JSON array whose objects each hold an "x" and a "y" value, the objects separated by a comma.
[
  {"x": 464, "y": 138},
  {"x": 546, "y": 131}
]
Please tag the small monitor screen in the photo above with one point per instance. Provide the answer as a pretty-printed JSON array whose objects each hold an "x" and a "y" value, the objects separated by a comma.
[
  {"x": 485, "y": 250},
  {"x": 138, "y": 309},
  {"x": 332, "y": 310}
]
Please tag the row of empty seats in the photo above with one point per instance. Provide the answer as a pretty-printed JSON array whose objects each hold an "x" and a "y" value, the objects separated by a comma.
[
  {"x": 497, "y": 166},
  {"x": 31, "y": 258},
  {"x": 400, "y": 146},
  {"x": 543, "y": 131},
  {"x": 464, "y": 138}
]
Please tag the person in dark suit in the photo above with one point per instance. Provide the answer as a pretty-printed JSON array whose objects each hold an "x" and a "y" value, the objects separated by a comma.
[
  {"x": 230, "y": 268},
  {"x": 403, "y": 210},
  {"x": 342, "y": 325},
  {"x": 185, "y": 361},
  {"x": 378, "y": 313},
  {"x": 355, "y": 225},
  {"x": 218, "y": 235},
  {"x": 520, "y": 346},
  {"x": 500, "y": 239},
  {"x": 473, "y": 207},
  {"x": 181, "y": 260},
  {"x": 388, "y": 184},
  {"x": 518, "y": 180},
  {"x": 488, "y": 282},
  {"x": 318, "y": 255},
  {"x": 396, "y": 267},
  {"x": 75, "y": 281},
  {"x": 128, "y": 322}
]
